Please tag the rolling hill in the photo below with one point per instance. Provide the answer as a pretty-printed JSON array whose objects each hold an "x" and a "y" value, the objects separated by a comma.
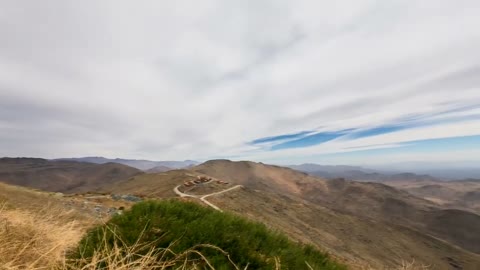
[
  {"x": 459, "y": 194},
  {"x": 369, "y": 200},
  {"x": 140, "y": 164},
  {"x": 158, "y": 169},
  {"x": 62, "y": 176}
]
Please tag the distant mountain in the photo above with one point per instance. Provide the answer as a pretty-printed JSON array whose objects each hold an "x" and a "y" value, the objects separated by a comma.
[
  {"x": 62, "y": 176},
  {"x": 458, "y": 194},
  {"x": 311, "y": 167},
  {"x": 442, "y": 170},
  {"x": 159, "y": 169},
  {"x": 358, "y": 173},
  {"x": 453, "y": 174},
  {"x": 143, "y": 165}
]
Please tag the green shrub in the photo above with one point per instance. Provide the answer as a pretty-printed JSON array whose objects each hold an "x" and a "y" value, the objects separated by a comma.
[{"x": 180, "y": 226}]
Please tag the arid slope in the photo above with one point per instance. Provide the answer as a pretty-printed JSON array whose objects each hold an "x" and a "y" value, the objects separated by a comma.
[
  {"x": 369, "y": 222},
  {"x": 463, "y": 194},
  {"x": 363, "y": 223},
  {"x": 62, "y": 176}
]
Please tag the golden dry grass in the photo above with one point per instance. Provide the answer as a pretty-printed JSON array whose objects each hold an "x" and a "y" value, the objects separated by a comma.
[
  {"x": 41, "y": 240},
  {"x": 147, "y": 256},
  {"x": 37, "y": 240},
  {"x": 37, "y": 232}
]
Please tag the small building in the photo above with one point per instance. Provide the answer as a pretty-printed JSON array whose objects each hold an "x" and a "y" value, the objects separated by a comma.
[
  {"x": 203, "y": 179},
  {"x": 222, "y": 182}
]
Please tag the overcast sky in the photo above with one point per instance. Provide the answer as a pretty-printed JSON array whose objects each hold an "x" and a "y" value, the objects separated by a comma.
[{"x": 334, "y": 82}]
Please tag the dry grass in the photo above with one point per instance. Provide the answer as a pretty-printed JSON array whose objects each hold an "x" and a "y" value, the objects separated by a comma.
[
  {"x": 145, "y": 256},
  {"x": 36, "y": 240},
  {"x": 41, "y": 240},
  {"x": 37, "y": 232}
]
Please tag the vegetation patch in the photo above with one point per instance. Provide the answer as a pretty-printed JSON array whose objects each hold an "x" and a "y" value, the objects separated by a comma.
[{"x": 187, "y": 235}]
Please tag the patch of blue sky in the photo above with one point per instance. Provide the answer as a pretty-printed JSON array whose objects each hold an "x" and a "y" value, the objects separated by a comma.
[
  {"x": 310, "y": 140},
  {"x": 280, "y": 137},
  {"x": 374, "y": 131}
]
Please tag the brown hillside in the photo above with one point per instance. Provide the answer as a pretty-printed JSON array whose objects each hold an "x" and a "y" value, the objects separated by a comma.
[
  {"x": 364, "y": 223},
  {"x": 360, "y": 241},
  {"x": 155, "y": 185},
  {"x": 62, "y": 176},
  {"x": 464, "y": 195},
  {"x": 368, "y": 210},
  {"x": 159, "y": 169},
  {"x": 371, "y": 200},
  {"x": 261, "y": 176}
]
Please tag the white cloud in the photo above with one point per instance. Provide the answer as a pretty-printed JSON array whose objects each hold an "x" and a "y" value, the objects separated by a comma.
[{"x": 198, "y": 80}]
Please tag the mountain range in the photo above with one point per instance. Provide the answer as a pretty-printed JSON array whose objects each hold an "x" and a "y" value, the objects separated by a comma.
[
  {"x": 374, "y": 224},
  {"x": 62, "y": 175},
  {"x": 359, "y": 173},
  {"x": 140, "y": 164}
]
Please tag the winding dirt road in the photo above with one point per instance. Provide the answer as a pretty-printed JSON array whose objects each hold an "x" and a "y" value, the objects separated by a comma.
[{"x": 203, "y": 197}]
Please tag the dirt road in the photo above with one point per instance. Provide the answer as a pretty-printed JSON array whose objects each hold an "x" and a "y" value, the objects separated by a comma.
[{"x": 203, "y": 197}]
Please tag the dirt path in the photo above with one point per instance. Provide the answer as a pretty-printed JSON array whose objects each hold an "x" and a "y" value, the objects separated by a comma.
[{"x": 203, "y": 197}]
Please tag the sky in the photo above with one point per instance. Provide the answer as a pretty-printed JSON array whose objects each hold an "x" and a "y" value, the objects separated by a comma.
[{"x": 286, "y": 82}]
